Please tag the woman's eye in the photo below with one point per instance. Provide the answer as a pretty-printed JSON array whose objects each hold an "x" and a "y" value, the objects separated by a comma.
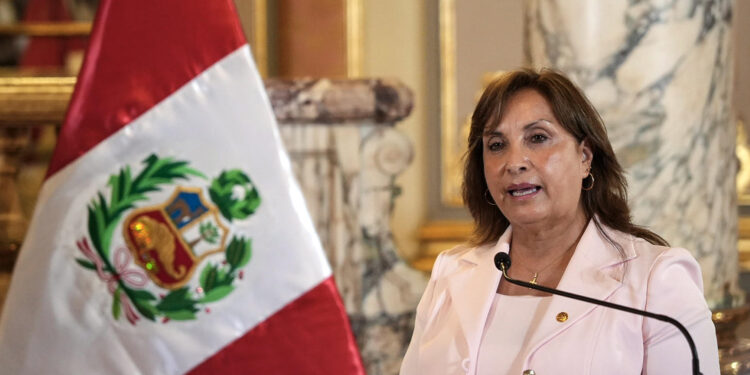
[
  {"x": 495, "y": 145},
  {"x": 538, "y": 138}
]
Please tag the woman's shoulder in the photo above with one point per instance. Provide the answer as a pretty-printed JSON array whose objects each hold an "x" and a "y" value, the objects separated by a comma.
[
  {"x": 448, "y": 260},
  {"x": 658, "y": 254},
  {"x": 457, "y": 251},
  {"x": 638, "y": 247},
  {"x": 649, "y": 260},
  {"x": 654, "y": 262},
  {"x": 667, "y": 280}
]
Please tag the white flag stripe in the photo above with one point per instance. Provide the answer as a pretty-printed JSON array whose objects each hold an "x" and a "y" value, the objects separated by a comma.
[{"x": 219, "y": 120}]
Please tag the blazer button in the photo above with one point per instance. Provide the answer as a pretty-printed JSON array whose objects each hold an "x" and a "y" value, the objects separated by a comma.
[
  {"x": 562, "y": 317},
  {"x": 529, "y": 372},
  {"x": 465, "y": 364}
]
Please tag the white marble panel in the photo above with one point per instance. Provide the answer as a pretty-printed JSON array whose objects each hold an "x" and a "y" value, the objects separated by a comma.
[
  {"x": 660, "y": 74},
  {"x": 347, "y": 175}
]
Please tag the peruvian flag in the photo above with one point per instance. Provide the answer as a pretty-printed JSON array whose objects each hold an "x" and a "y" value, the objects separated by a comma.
[{"x": 170, "y": 235}]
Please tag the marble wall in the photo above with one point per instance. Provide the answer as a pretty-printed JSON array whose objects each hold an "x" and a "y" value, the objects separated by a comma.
[
  {"x": 346, "y": 155},
  {"x": 660, "y": 74}
]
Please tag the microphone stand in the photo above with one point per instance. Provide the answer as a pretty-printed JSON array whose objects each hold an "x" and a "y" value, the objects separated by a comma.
[{"x": 502, "y": 262}]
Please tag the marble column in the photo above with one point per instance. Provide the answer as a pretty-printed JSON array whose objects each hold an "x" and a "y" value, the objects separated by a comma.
[
  {"x": 346, "y": 154},
  {"x": 660, "y": 74}
]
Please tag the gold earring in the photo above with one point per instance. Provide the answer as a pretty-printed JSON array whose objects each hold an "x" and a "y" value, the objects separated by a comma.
[
  {"x": 591, "y": 186},
  {"x": 489, "y": 200}
]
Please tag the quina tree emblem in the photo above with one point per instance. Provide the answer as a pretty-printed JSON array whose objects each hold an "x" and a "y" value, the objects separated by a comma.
[{"x": 169, "y": 241}]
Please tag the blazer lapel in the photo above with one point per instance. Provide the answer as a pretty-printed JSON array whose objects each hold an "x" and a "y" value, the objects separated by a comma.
[
  {"x": 472, "y": 288},
  {"x": 592, "y": 272}
]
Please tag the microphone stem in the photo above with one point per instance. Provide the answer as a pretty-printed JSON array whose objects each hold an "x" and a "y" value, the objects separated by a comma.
[{"x": 615, "y": 306}]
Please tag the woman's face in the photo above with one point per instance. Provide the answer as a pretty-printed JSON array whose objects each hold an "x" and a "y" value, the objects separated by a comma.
[{"x": 533, "y": 167}]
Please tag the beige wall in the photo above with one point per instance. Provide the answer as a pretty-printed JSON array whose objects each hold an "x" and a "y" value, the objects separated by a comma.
[
  {"x": 401, "y": 41},
  {"x": 395, "y": 40},
  {"x": 489, "y": 38},
  {"x": 742, "y": 61}
]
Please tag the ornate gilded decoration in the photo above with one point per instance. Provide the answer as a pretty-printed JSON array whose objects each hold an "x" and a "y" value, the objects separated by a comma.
[
  {"x": 29, "y": 100},
  {"x": 354, "y": 34}
]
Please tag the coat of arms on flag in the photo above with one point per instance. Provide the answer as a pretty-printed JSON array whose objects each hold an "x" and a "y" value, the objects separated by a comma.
[{"x": 168, "y": 241}]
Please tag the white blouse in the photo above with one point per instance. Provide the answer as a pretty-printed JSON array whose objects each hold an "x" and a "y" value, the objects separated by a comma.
[{"x": 508, "y": 326}]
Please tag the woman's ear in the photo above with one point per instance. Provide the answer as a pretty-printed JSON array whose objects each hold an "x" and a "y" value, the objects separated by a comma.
[{"x": 587, "y": 156}]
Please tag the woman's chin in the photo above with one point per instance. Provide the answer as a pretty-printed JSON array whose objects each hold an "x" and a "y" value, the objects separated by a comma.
[
  {"x": 529, "y": 218},
  {"x": 550, "y": 219}
]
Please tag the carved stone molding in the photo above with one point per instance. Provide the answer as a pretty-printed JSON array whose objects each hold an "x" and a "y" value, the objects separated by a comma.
[
  {"x": 34, "y": 100},
  {"x": 325, "y": 101}
]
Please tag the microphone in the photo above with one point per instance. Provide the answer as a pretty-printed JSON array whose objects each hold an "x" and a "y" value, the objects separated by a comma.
[{"x": 502, "y": 262}]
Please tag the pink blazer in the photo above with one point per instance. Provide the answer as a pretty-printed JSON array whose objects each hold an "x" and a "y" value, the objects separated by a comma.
[{"x": 593, "y": 340}]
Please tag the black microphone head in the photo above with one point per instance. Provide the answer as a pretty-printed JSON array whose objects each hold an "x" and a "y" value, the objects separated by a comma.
[{"x": 502, "y": 260}]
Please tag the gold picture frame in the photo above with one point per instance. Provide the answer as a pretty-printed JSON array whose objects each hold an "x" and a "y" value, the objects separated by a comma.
[
  {"x": 743, "y": 194},
  {"x": 451, "y": 144},
  {"x": 253, "y": 15},
  {"x": 354, "y": 18},
  {"x": 743, "y": 157},
  {"x": 472, "y": 47}
]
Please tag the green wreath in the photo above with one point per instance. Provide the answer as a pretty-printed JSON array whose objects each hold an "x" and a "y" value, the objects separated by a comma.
[
  {"x": 223, "y": 192},
  {"x": 216, "y": 280}
]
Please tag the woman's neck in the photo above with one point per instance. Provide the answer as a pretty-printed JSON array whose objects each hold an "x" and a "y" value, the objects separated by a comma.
[
  {"x": 547, "y": 240},
  {"x": 542, "y": 253}
]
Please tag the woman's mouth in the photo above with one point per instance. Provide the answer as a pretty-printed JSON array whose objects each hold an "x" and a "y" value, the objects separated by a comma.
[{"x": 523, "y": 190}]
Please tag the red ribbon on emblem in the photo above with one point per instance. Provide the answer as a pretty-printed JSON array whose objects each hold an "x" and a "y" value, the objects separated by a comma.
[{"x": 130, "y": 277}]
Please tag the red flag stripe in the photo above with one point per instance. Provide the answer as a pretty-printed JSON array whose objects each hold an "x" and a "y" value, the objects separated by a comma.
[
  {"x": 144, "y": 60},
  {"x": 310, "y": 333}
]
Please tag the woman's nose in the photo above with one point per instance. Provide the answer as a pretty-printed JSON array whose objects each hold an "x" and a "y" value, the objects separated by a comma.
[{"x": 517, "y": 161}]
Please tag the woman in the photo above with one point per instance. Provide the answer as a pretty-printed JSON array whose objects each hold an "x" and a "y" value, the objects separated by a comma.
[{"x": 542, "y": 183}]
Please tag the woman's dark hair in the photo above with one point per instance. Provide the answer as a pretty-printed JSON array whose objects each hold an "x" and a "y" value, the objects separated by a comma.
[{"x": 607, "y": 199}]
